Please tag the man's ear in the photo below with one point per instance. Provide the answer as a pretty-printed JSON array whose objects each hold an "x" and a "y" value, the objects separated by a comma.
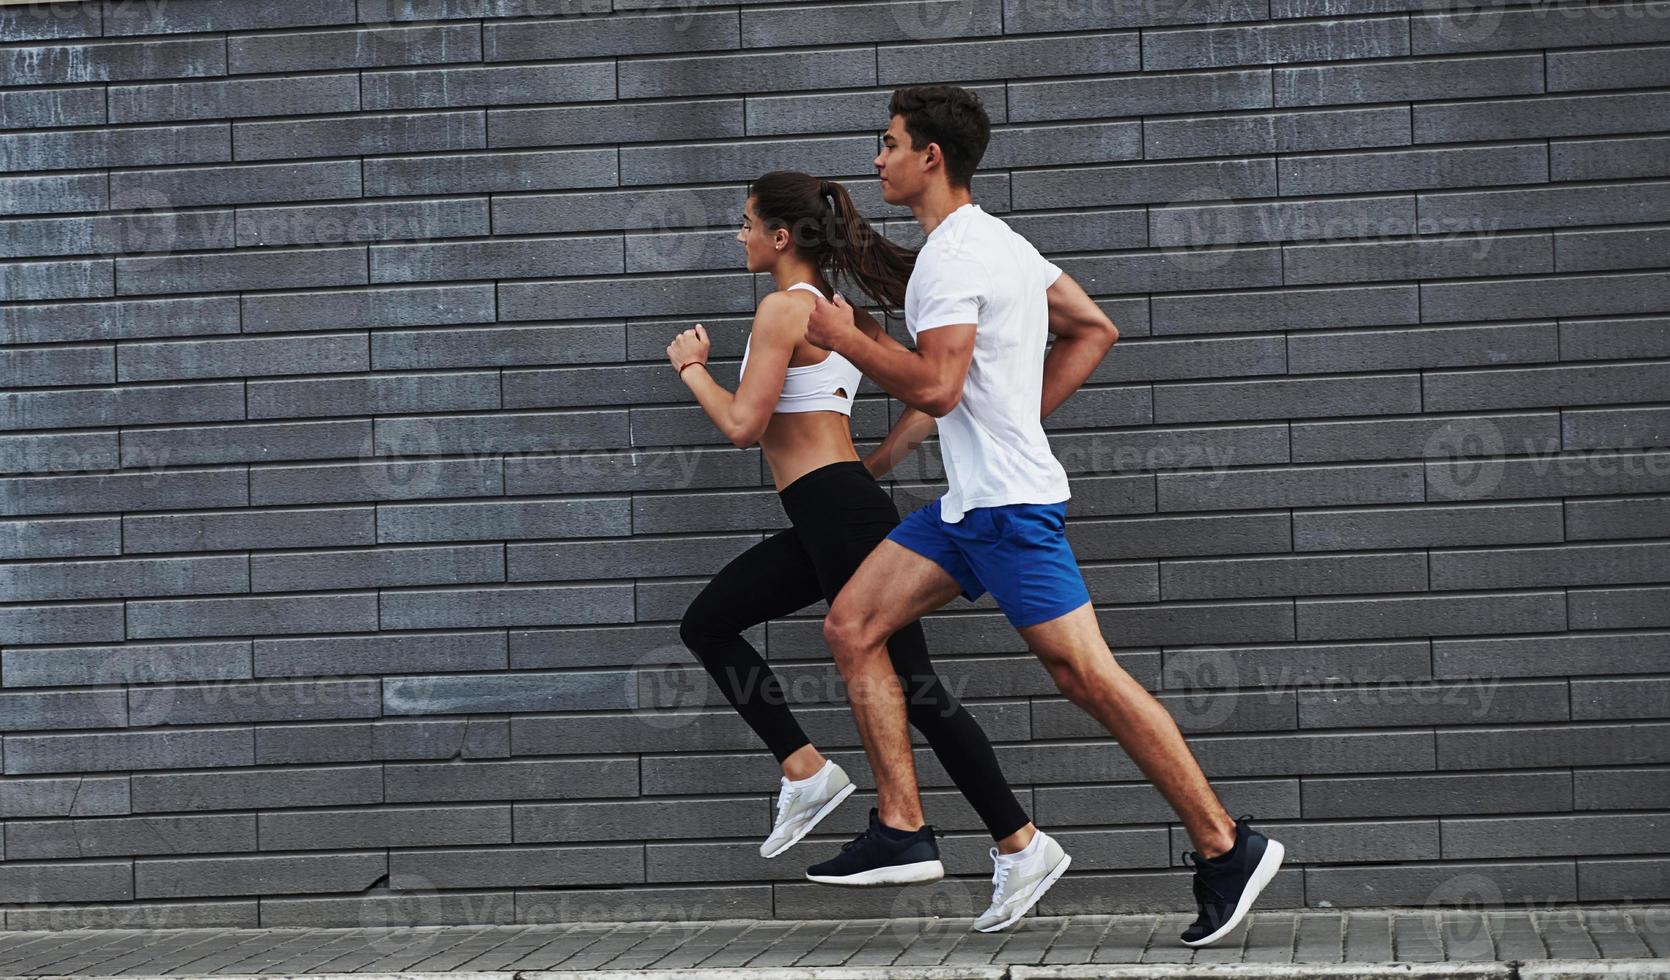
[{"x": 933, "y": 156}]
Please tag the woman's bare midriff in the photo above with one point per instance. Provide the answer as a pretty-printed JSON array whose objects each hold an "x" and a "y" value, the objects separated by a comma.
[{"x": 796, "y": 443}]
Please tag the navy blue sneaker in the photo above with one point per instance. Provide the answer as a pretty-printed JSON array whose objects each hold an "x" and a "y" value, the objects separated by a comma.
[
  {"x": 874, "y": 858},
  {"x": 1226, "y": 886}
]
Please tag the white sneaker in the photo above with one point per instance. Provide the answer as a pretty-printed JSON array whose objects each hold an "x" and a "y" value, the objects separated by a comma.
[
  {"x": 801, "y": 805},
  {"x": 1020, "y": 879}
]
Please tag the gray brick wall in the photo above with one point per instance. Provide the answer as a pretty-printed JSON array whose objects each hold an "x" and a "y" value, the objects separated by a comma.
[{"x": 350, "y": 507}]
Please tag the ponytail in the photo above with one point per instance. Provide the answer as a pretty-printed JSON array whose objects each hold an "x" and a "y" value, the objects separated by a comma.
[
  {"x": 826, "y": 226},
  {"x": 864, "y": 255}
]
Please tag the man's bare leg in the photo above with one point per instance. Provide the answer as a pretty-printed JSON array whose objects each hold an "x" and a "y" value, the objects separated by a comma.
[
  {"x": 1072, "y": 648},
  {"x": 892, "y": 587}
]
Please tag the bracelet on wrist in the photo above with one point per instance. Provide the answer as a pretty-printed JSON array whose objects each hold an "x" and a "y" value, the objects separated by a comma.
[{"x": 689, "y": 364}]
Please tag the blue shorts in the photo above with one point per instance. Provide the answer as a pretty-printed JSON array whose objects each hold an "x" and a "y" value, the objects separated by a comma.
[{"x": 1018, "y": 552}]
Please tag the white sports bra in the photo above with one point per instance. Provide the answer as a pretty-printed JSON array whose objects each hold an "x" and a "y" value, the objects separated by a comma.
[{"x": 830, "y": 385}]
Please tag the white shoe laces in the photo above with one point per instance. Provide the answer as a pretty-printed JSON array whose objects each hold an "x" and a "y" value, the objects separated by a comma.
[
  {"x": 784, "y": 798},
  {"x": 1000, "y": 876}
]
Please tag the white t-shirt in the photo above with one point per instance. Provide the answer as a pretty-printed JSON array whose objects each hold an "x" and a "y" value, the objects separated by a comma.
[{"x": 974, "y": 268}]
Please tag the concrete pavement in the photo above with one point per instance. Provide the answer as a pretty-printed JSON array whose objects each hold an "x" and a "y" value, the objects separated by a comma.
[{"x": 1366, "y": 944}]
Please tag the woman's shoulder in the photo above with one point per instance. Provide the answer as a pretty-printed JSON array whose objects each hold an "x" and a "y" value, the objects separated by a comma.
[
  {"x": 782, "y": 302},
  {"x": 780, "y": 313}
]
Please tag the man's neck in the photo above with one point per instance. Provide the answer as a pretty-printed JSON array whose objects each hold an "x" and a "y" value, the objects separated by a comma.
[{"x": 936, "y": 204}]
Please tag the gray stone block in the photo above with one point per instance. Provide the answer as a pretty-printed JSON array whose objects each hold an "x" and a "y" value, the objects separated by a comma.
[
  {"x": 234, "y": 97},
  {"x": 419, "y": 221},
  {"x": 634, "y": 123},
  {"x": 1036, "y": 17},
  {"x": 1475, "y": 702},
  {"x": 533, "y": 259},
  {"x": 1426, "y": 526},
  {"x": 411, "y": 306},
  {"x": 186, "y": 748},
  {"x": 579, "y": 81},
  {"x": 82, "y": 623},
  {"x": 1140, "y": 95},
  {"x": 1589, "y": 159},
  {"x": 222, "y": 272},
  {"x": 1008, "y": 58},
  {"x": 1480, "y": 346},
  {"x": 1629, "y": 23},
  {"x": 1463, "y": 253},
  {"x": 349, "y": 612},
  {"x": 325, "y": 353},
  {"x": 620, "y": 34},
  {"x": 46, "y": 193},
  {"x": 1413, "y": 169},
  {"x": 1438, "y": 795},
  {"x": 531, "y": 865},
  {"x": 344, "y": 871},
  {"x": 360, "y": 133},
  {"x": 506, "y": 606},
  {"x": 417, "y": 44},
  {"x": 1410, "y": 80},
  {"x": 31, "y": 23},
  {"x": 1284, "y": 132},
  {"x": 206, "y": 15},
  {"x": 1419, "y": 615},
  {"x": 383, "y": 393},
  {"x": 679, "y": 163},
  {"x": 136, "y": 146},
  {"x": 53, "y": 107},
  {"x": 724, "y": 74},
  {"x": 1543, "y": 116},
  {"x": 1369, "y": 37},
  {"x": 70, "y": 796},
  {"x": 122, "y": 836},
  {"x": 543, "y": 779},
  {"x": 1526, "y": 297},
  {"x": 502, "y": 172},
  {"x": 417, "y": 826},
  {"x": 263, "y": 788}
]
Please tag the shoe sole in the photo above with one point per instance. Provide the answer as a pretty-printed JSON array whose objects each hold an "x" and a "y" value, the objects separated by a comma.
[
  {"x": 817, "y": 818},
  {"x": 893, "y": 874},
  {"x": 1267, "y": 867},
  {"x": 1038, "y": 889}
]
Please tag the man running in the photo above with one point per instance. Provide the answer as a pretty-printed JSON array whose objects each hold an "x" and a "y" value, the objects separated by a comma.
[{"x": 978, "y": 306}]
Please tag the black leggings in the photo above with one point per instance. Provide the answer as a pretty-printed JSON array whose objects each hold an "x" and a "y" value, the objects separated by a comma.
[{"x": 839, "y": 514}]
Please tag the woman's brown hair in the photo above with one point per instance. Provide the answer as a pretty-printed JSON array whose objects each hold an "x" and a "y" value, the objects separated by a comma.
[{"x": 827, "y": 228}]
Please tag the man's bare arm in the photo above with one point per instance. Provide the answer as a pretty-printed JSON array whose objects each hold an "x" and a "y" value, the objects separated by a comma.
[
  {"x": 929, "y": 378},
  {"x": 1083, "y": 336},
  {"x": 913, "y": 424}
]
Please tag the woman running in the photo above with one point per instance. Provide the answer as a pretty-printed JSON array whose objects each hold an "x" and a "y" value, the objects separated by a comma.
[{"x": 795, "y": 399}]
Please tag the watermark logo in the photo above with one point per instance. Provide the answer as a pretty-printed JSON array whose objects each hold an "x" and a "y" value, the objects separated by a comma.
[
  {"x": 150, "y": 696},
  {"x": 672, "y": 229},
  {"x": 1470, "y": 453},
  {"x": 665, "y": 689},
  {"x": 935, "y": 913},
  {"x": 1208, "y": 703},
  {"x": 1464, "y": 22},
  {"x": 1201, "y": 227},
  {"x": 1468, "y": 892},
  {"x": 391, "y": 27},
  {"x": 927, "y": 19},
  {"x": 387, "y": 915},
  {"x": 145, "y": 224},
  {"x": 401, "y": 464}
]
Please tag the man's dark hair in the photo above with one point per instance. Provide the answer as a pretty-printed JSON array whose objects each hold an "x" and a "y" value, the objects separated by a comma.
[{"x": 950, "y": 116}]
